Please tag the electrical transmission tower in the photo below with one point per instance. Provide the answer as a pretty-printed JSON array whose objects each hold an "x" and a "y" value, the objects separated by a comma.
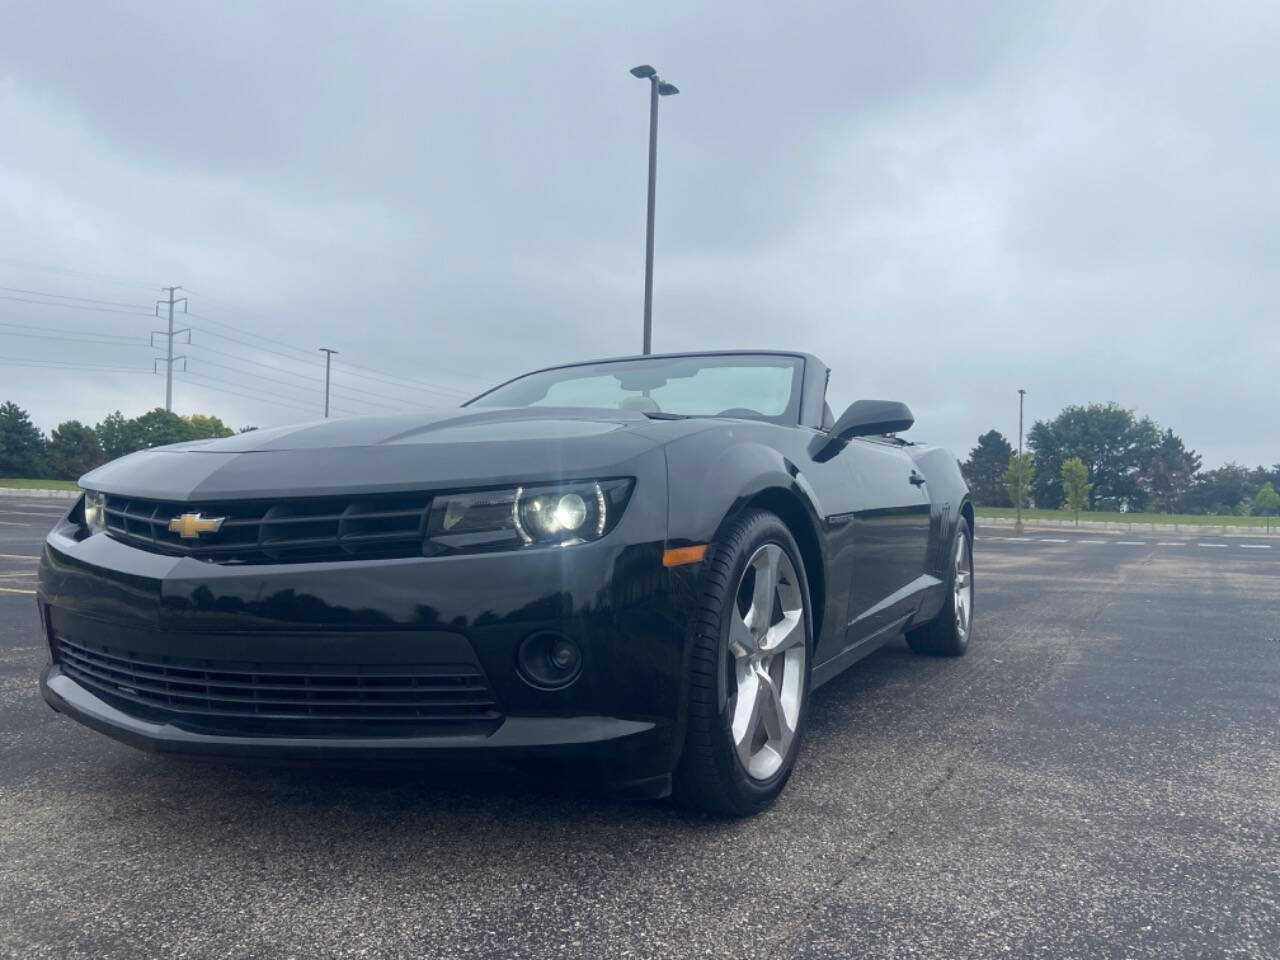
[{"x": 169, "y": 358}]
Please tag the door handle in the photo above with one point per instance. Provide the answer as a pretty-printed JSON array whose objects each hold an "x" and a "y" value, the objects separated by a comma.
[{"x": 917, "y": 479}]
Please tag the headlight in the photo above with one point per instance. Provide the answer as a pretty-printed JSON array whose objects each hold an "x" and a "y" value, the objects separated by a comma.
[
  {"x": 95, "y": 511},
  {"x": 552, "y": 515}
]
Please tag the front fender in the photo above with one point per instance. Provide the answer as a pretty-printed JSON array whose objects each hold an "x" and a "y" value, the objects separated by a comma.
[{"x": 713, "y": 474}]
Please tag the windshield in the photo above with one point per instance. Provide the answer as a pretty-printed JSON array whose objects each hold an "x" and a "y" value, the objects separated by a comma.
[{"x": 755, "y": 386}]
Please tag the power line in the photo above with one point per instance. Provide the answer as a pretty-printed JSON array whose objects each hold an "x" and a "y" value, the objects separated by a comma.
[
  {"x": 63, "y": 296},
  {"x": 257, "y": 363},
  {"x": 232, "y": 326},
  {"x": 301, "y": 376},
  {"x": 447, "y": 392},
  {"x": 293, "y": 386},
  {"x": 214, "y": 385},
  {"x": 76, "y": 306},
  {"x": 293, "y": 397},
  {"x": 89, "y": 333},
  {"x": 253, "y": 346},
  {"x": 68, "y": 365},
  {"x": 114, "y": 307},
  {"x": 305, "y": 363},
  {"x": 79, "y": 273},
  {"x": 42, "y": 336},
  {"x": 403, "y": 381}
]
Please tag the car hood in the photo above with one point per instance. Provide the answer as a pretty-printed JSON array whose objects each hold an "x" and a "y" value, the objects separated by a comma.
[{"x": 447, "y": 448}]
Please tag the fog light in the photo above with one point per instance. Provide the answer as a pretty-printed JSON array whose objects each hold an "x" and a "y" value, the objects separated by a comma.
[{"x": 549, "y": 660}]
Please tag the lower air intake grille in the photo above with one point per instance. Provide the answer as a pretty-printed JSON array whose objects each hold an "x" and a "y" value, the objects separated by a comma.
[{"x": 285, "y": 700}]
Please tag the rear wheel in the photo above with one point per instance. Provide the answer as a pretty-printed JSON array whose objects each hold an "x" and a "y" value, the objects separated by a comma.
[
  {"x": 749, "y": 670},
  {"x": 947, "y": 634}
]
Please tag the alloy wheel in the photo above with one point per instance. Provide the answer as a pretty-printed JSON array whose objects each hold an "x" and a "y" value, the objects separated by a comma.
[
  {"x": 962, "y": 584},
  {"x": 765, "y": 667}
]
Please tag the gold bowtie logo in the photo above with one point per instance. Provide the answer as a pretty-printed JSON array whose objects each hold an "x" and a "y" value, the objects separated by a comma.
[{"x": 190, "y": 525}]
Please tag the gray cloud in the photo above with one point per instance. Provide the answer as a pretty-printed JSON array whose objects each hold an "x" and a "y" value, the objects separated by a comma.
[{"x": 944, "y": 201}]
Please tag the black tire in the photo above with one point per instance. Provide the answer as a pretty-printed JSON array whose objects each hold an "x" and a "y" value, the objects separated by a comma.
[
  {"x": 710, "y": 776},
  {"x": 942, "y": 636}
]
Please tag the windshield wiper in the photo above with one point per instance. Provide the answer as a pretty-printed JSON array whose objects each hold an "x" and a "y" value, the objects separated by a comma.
[{"x": 659, "y": 415}]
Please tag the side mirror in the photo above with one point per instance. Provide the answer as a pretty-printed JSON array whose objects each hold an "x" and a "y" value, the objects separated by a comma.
[
  {"x": 870, "y": 417},
  {"x": 863, "y": 418}
]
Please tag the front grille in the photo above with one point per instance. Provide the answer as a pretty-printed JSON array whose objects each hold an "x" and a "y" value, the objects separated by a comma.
[
  {"x": 276, "y": 699},
  {"x": 273, "y": 531}
]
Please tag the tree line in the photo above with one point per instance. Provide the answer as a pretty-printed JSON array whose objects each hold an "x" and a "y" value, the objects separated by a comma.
[
  {"x": 1103, "y": 457},
  {"x": 73, "y": 448}
]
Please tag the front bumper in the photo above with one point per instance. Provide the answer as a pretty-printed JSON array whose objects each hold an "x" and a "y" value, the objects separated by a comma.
[
  {"x": 623, "y": 717},
  {"x": 587, "y": 738}
]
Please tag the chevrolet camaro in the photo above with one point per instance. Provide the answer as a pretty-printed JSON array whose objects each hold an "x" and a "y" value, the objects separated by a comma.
[{"x": 638, "y": 567}]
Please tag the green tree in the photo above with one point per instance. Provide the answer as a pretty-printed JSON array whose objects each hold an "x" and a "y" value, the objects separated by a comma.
[
  {"x": 1170, "y": 472},
  {"x": 205, "y": 427},
  {"x": 115, "y": 435},
  {"x": 73, "y": 450},
  {"x": 1224, "y": 490},
  {"x": 1024, "y": 466},
  {"x": 1113, "y": 443},
  {"x": 1076, "y": 486},
  {"x": 120, "y": 435},
  {"x": 1267, "y": 503},
  {"x": 984, "y": 470},
  {"x": 23, "y": 445},
  {"x": 158, "y": 427}
]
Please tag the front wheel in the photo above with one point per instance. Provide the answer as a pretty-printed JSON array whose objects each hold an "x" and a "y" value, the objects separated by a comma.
[
  {"x": 947, "y": 634},
  {"x": 749, "y": 670}
]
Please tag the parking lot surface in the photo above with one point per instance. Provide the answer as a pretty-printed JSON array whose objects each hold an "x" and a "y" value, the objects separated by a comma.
[{"x": 1099, "y": 777}]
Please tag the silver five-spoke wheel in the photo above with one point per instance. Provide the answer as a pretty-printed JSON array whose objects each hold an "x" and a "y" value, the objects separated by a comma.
[
  {"x": 766, "y": 661},
  {"x": 963, "y": 586}
]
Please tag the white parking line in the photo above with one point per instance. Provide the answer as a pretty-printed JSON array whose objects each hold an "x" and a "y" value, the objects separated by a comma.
[
  {"x": 17, "y": 556},
  {"x": 1118, "y": 543},
  {"x": 12, "y": 590}
]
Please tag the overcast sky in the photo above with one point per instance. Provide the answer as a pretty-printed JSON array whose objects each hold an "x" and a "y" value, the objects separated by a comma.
[{"x": 944, "y": 201}]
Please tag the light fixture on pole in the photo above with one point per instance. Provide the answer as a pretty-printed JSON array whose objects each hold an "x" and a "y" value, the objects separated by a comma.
[
  {"x": 657, "y": 88},
  {"x": 1017, "y": 525},
  {"x": 328, "y": 358}
]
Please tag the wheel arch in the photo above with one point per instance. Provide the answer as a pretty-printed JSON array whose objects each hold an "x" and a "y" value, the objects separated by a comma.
[{"x": 793, "y": 512}]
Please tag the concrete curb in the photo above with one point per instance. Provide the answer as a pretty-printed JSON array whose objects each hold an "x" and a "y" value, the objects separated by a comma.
[
  {"x": 1203, "y": 529},
  {"x": 39, "y": 494}
]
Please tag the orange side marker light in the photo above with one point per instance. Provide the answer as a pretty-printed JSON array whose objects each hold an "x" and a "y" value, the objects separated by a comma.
[{"x": 676, "y": 556}]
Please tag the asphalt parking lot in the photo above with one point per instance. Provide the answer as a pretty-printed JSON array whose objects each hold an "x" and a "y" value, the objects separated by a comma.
[{"x": 1100, "y": 777}]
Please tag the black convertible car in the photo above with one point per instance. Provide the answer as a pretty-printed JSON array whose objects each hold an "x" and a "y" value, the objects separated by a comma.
[{"x": 642, "y": 566}]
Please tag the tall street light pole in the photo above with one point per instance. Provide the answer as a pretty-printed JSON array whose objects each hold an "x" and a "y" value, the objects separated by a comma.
[
  {"x": 1017, "y": 526},
  {"x": 657, "y": 88},
  {"x": 328, "y": 358}
]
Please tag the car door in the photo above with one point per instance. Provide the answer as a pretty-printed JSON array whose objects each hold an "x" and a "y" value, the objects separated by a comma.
[{"x": 891, "y": 535}]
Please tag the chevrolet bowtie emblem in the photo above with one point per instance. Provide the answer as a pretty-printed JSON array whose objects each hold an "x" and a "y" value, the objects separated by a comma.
[{"x": 190, "y": 525}]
